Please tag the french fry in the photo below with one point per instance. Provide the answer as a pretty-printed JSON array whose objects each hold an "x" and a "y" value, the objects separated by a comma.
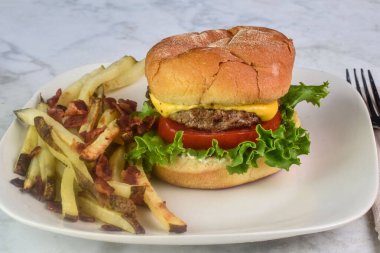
[
  {"x": 134, "y": 192},
  {"x": 59, "y": 169},
  {"x": 64, "y": 153},
  {"x": 118, "y": 203},
  {"x": 117, "y": 163},
  {"x": 126, "y": 78},
  {"x": 24, "y": 158},
  {"x": 42, "y": 107},
  {"x": 32, "y": 174},
  {"x": 97, "y": 147},
  {"x": 99, "y": 93},
  {"x": 47, "y": 165},
  {"x": 107, "y": 117},
  {"x": 91, "y": 207},
  {"x": 111, "y": 72},
  {"x": 59, "y": 159},
  {"x": 72, "y": 92},
  {"x": 27, "y": 116},
  {"x": 168, "y": 220},
  {"x": 93, "y": 116},
  {"x": 69, "y": 204}
]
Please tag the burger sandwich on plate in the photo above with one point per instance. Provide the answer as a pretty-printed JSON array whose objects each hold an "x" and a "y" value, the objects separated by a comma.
[{"x": 226, "y": 108}]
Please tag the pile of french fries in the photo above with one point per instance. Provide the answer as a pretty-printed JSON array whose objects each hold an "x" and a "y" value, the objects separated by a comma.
[{"x": 73, "y": 155}]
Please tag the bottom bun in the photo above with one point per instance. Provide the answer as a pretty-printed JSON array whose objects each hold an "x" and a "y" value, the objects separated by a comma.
[{"x": 211, "y": 173}]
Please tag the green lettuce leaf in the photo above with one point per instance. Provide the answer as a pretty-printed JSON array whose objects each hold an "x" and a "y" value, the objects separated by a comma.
[
  {"x": 147, "y": 110},
  {"x": 280, "y": 148}
]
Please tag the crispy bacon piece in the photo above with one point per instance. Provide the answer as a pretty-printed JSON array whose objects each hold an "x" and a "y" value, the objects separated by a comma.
[
  {"x": 89, "y": 137},
  {"x": 127, "y": 136},
  {"x": 51, "y": 102},
  {"x": 147, "y": 124},
  {"x": 102, "y": 168},
  {"x": 127, "y": 106},
  {"x": 110, "y": 102},
  {"x": 127, "y": 122},
  {"x": 123, "y": 106},
  {"x": 76, "y": 107},
  {"x": 136, "y": 124},
  {"x": 130, "y": 175},
  {"x": 75, "y": 121},
  {"x": 57, "y": 112},
  {"x": 102, "y": 186}
]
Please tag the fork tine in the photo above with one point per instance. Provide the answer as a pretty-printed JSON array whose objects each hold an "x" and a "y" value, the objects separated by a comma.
[
  {"x": 357, "y": 83},
  {"x": 348, "y": 76},
  {"x": 374, "y": 90},
  {"x": 368, "y": 97}
]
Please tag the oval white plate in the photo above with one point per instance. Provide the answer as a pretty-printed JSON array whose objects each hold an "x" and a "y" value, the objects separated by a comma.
[{"x": 335, "y": 184}]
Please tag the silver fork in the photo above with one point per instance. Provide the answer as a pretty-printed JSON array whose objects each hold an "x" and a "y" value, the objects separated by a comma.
[{"x": 371, "y": 97}]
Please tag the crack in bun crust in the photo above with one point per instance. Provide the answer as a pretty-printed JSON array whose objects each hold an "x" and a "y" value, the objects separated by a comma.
[{"x": 241, "y": 65}]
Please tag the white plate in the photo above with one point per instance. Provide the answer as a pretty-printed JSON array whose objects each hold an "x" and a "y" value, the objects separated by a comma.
[{"x": 334, "y": 185}]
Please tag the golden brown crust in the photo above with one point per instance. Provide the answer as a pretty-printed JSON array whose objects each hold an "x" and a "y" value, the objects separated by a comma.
[{"x": 242, "y": 65}]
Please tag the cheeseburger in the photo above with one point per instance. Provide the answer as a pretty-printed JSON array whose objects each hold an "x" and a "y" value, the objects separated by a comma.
[{"x": 225, "y": 108}]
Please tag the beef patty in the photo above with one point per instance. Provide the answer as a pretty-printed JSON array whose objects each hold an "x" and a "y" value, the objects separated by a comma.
[{"x": 215, "y": 119}]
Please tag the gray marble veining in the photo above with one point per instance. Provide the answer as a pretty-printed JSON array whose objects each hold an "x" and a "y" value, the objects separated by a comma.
[{"x": 40, "y": 39}]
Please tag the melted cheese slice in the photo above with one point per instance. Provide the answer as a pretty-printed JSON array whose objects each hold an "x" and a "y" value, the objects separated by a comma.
[{"x": 264, "y": 111}]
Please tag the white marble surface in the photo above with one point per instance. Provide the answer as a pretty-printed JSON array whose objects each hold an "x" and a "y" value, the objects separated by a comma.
[{"x": 39, "y": 39}]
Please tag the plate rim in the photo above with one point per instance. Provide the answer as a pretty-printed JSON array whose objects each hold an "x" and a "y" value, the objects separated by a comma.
[{"x": 188, "y": 239}]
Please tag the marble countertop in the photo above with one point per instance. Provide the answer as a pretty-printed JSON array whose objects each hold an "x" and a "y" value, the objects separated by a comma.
[{"x": 40, "y": 39}]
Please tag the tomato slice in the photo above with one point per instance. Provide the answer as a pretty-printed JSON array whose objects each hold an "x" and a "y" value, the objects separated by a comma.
[{"x": 196, "y": 139}]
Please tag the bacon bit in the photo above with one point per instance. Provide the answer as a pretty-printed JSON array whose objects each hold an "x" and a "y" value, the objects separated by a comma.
[
  {"x": 61, "y": 107},
  {"x": 89, "y": 137},
  {"x": 76, "y": 107},
  {"x": 54, "y": 206},
  {"x": 130, "y": 175},
  {"x": 54, "y": 99},
  {"x": 148, "y": 123},
  {"x": 18, "y": 182},
  {"x": 102, "y": 168},
  {"x": 136, "y": 124},
  {"x": 118, "y": 108},
  {"x": 56, "y": 113},
  {"x": 110, "y": 102},
  {"x": 127, "y": 136},
  {"x": 109, "y": 227},
  {"x": 75, "y": 121},
  {"x": 102, "y": 186},
  {"x": 127, "y": 106},
  {"x": 123, "y": 106},
  {"x": 124, "y": 122},
  {"x": 142, "y": 129}
]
